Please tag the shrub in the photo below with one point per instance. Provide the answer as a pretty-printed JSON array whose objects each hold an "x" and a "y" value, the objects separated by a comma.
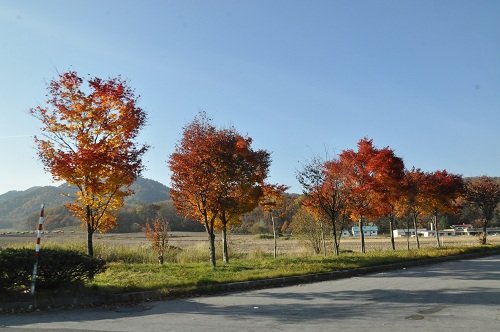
[
  {"x": 15, "y": 268},
  {"x": 157, "y": 232},
  {"x": 259, "y": 228},
  {"x": 308, "y": 229},
  {"x": 56, "y": 268}
]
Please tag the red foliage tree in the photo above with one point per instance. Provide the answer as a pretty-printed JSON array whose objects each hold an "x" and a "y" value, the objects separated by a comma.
[
  {"x": 483, "y": 193},
  {"x": 89, "y": 142},
  {"x": 389, "y": 186},
  {"x": 412, "y": 201},
  {"x": 372, "y": 176},
  {"x": 441, "y": 192},
  {"x": 326, "y": 194},
  {"x": 243, "y": 172},
  {"x": 194, "y": 176},
  {"x": 213, "y": 172}
]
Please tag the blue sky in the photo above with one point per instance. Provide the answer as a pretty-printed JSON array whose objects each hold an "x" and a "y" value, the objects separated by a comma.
[{"x": 302, "y": 78}]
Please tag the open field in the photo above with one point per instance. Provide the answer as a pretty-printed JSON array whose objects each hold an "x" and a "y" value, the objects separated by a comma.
[{"x": 238, "y": 243}]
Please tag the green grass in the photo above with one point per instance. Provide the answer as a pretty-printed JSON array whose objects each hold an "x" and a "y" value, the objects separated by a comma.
[
  {"x": 175, "y": 277},
  {"x": 187, "y": 271}
]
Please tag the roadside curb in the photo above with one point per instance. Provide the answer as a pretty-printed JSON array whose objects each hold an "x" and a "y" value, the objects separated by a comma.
[
  {"x": 209, "y": 289},
  {"x": 333, "y": 275}
]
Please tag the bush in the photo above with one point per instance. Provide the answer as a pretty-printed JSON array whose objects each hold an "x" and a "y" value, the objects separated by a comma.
[
  {"x": 56, "y": 268},
  {"x": 308, "y": 229},
  {"x": 259, "y": 228}
]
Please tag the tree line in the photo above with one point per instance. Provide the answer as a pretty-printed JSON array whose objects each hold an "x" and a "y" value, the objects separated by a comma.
[
  {"x": 372, "y": 184},
  {"x": 89, "y": 139}
]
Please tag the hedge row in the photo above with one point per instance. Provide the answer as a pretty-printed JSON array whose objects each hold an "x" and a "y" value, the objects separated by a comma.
[{"x": 56, "y": 268}]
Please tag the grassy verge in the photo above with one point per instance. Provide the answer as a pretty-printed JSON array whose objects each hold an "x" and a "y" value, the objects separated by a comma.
[
  {"x": 174, "y": 277},
  {"x": 128, "y": 274}
]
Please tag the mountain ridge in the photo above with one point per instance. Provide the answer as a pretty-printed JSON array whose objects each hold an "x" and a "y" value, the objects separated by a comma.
[{"x": 16, "y": 206}]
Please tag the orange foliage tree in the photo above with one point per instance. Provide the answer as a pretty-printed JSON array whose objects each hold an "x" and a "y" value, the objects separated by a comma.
[
  {"x": 483, "y": 193},
  {"x": 215, "y": 176},
  {"x": 371, "y": 173},
  {"x": 243, "y": 170},
  {"x": 324, "y": 187},
  {"x": 441, "y": 193},
  {"x": 194, "y": 179},
  {"x": 89, "y": 141},
  {"x": 274, "y": 202},
  {"x": 412, "y": 201},
  {"x": 389, "y": 187}
]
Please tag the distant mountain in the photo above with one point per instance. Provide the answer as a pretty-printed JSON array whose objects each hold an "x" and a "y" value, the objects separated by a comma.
[
  {"x": 148, "y": 191},
  {"x": 16, "y": 207}
]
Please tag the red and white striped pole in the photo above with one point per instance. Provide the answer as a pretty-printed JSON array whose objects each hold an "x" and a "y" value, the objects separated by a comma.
[{"x": 37, "y": 250}]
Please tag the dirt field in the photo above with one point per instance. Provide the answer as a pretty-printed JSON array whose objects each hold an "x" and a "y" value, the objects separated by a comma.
[{"x": 238, "y": 243}]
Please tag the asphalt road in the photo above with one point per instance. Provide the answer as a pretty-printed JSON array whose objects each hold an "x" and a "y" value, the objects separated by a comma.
[{"x": 454, "y": 296}]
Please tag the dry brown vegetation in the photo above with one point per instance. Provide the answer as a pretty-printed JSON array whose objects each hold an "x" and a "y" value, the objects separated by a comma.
[{"x": 238, "y": 243}]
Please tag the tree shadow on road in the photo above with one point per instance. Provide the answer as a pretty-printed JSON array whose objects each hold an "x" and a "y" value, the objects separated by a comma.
[
  {"x": 285, "y": 308},
  {"x": 301, "y": 304}
]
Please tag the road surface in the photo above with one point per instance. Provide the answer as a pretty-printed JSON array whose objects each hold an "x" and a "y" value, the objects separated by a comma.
[{"x": 453, "y": 296}]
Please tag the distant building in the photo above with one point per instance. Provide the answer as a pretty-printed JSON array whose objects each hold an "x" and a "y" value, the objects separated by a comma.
[
  {"x": 442, "y": 232},
  {"x": 368, "y": 230},
  {"x": 346, "y": 233},
  {"x": 408, "y": 232},
  {"x": 465, "y": 229}
]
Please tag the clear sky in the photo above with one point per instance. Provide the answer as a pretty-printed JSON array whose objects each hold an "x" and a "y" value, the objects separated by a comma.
[{"x": 302, "y": 78}]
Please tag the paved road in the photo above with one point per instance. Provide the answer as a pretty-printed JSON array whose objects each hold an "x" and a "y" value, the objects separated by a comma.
[{"x": 454, "y": 296}]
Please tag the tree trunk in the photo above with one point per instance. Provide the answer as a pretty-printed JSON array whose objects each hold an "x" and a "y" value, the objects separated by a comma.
[
  {"x": 274, "y": 235},
  {"x": 211, "y": 239},
  {"x": 362, "y": 235},
  {"x": 90, "y": 245},
  {"x": 485, "y": 232},
  {"x": 408, "y": 233},
  {"x": 437, "y": 229},
  {"x": 414, "y": 217},
  {"x": 323, "y": 237},
  {"x": 335, "y": 242},
  {"x": 225, "y": 252},
  {"x": 391, "y": 229},
  {"x": 90, "y": 232}
]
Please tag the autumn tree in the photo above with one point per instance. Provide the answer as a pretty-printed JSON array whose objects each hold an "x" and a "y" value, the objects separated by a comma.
[
  {"x": 89, "y": 140},
  {"x": 324, "y": 187},
  {"x": 484, "y": 194},
  {"x": 243, "y": 172},
  {"x": 389, "y": 186},
  {"x": 194, "y": 179},
  {"x": 215, "y": 176},
  {"x": 272, "y": 201},
  {"x": 239, "y": 202},
  {"x": 157, "y": 232},
  {"x": 412, "y": 202},
  {"x": 366, "y": 172},
  {"x": 441, "y": 192}
]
